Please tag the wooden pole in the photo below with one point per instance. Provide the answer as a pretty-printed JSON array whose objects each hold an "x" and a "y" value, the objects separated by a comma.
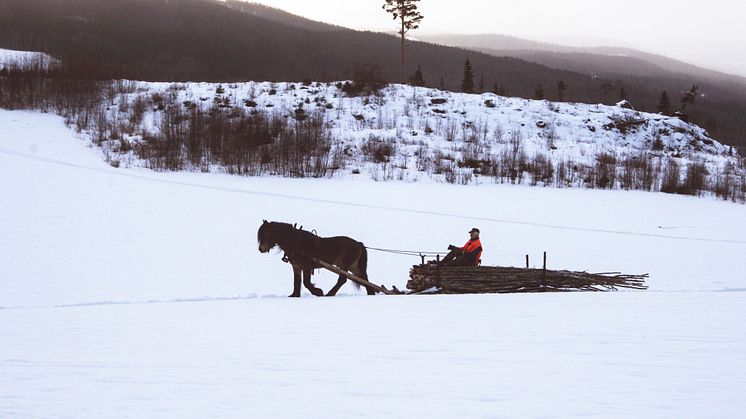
[
  {"x": 544, "y": 272},
  {"x": 353, "y": 278},
  {"x": 526, "y": 261}
]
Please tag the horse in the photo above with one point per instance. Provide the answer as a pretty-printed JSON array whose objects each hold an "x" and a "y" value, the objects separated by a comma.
[{"x": 301, "y": 247}]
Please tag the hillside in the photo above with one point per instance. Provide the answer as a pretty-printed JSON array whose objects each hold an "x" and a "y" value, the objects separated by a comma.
[
  {"x": 399, "y": 133},
  {"x": 192, "y": 40},
  {"x": 12, "y": 61},
  {"x": 723, "y": 100},
  {"x": 186, "y": 40}
]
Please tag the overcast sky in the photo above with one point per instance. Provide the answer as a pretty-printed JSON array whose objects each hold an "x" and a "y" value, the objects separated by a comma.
[{"x": 708, "y": 33}]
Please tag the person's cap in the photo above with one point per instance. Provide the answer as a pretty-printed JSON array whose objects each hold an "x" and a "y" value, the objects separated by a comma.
[{"x": 474, "y": 230}]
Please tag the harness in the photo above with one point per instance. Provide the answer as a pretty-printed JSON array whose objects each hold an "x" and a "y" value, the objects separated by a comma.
[{"x": 312, "y": 235}]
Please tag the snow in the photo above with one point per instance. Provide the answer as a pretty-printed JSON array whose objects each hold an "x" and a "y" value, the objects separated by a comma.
[
  {"x": 624, "y": 104},
  {"x": 11, "y": 58},
  {"x": 133, "y": 293},
  {"x": 623, "y": 355}
]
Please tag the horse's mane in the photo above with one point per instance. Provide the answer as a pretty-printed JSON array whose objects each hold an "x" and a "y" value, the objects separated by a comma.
[
  {"x": 290, "y": 228},
  {"x": 305, "y": 240}
]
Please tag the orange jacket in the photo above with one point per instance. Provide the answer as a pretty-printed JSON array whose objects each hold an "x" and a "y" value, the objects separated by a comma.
[{"x": 473, "y": 250}]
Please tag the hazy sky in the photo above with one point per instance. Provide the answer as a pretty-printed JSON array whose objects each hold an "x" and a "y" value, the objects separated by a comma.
[{"x": 708, "y": 33}]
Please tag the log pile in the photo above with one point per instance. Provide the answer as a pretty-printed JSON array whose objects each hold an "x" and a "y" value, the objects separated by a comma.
[{"x": 431, "y": 278}]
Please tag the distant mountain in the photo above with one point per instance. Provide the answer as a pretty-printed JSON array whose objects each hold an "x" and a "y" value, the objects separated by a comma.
[
  {"x": 493, "y": 41},
  {"x": 576, "y": 58},
  {"x": 209, "y": 40}
]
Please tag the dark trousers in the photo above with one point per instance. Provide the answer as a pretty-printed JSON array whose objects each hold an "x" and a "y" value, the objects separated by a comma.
[{"x": 456, "y": 258}]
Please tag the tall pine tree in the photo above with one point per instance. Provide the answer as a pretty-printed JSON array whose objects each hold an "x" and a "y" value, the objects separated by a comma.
[
  {"x": 664, "y": 104},
  {"x": 406, "y": 12},
  {"x": 467, "y": 85}
]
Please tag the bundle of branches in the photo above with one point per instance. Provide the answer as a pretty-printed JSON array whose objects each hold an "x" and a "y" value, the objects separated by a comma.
[{"x": 489, "y": 279}]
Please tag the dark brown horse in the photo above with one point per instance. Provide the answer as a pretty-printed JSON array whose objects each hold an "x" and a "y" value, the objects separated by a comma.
[{"x": 301, "y": 247}]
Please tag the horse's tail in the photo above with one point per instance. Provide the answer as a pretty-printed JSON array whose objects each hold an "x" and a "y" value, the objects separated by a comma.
[
  {"x": 363, "y": 261},
  {"x": 362, "y": 265}
]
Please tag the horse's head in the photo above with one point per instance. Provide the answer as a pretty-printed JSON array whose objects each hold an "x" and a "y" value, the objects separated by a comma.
[{"x": 267, "y": 237}]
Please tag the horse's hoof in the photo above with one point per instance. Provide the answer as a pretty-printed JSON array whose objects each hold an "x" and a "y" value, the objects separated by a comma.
[{"x": 294, "y": 296}]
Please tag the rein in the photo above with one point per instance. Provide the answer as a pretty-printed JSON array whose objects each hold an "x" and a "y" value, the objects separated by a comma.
[{"x": 422, "y": 254}]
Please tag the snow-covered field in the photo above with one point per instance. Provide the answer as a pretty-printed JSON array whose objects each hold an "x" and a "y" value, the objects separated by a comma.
[{"x": 132, "y": 293}]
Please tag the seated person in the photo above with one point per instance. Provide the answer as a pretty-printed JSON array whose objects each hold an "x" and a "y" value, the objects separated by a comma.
[{"x": 469, "y": 255}]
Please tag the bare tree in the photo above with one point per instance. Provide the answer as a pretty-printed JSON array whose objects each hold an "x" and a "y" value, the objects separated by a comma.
[{"x": 406, "y": 12}]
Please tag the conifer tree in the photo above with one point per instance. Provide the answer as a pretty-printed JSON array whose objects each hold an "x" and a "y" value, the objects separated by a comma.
[
  {"x": 606, "y": 88},
  {"x": 406, "y": 12},
  {"x": 664, "y": 104},
  {"x": 539, "y": 93},
  {"x": 690, "y": 97},
  {"x": 561, "y": 88},
  {"x": 417, "y": 79},
  {"x": 467, "y": 85}
]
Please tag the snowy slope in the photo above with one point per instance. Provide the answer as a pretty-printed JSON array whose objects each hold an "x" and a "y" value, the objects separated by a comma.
[
  {"x": 132, "y": 293},
  {"x": 427, "y": 127}
]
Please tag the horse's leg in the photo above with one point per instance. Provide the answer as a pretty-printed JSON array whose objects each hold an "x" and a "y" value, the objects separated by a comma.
[
  {"x": 307, "y": 282},
  {"x": 341, "y": 281},
  {"x": 296, "y": 282}
]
